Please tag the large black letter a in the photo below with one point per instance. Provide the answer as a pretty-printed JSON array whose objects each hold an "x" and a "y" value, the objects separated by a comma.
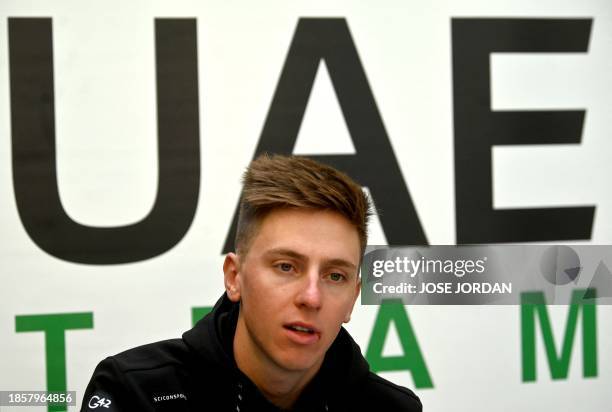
[{"x": 374, "y": 165}]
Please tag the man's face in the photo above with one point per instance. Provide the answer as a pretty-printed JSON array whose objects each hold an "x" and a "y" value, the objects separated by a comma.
[{"x": 297, "y": 284}]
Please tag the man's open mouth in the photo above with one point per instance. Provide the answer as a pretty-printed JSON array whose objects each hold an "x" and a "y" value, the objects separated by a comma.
[{"x": 302, "y": 328}]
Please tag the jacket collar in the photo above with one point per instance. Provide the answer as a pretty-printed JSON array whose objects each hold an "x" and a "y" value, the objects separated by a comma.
[{"x": 212, "y": 341}]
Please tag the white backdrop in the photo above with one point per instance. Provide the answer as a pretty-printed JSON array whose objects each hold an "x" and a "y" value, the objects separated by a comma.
[{"x": 105, "y": 111}]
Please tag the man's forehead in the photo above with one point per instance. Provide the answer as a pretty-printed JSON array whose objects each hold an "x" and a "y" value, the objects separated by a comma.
[{"x": 302, "y": 230}]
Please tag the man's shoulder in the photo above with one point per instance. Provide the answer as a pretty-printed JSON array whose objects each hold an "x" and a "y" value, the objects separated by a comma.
[
  {"x": 140, "y": 377},
  {"x": 171, "y": 352},
  {"x": 379, "y": 392}
]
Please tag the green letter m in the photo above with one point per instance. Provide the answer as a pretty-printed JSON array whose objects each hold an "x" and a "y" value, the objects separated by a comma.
[{"x": 533, "y": 303}]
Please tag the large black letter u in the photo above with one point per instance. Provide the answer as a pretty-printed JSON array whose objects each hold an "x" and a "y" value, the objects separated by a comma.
[{"x": 33, "y": 143}]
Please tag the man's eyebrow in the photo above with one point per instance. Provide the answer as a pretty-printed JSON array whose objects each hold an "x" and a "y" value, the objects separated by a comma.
[
  {"x": 286, "y": 252},
  {"x": 293, "y": 254},
  {"x": 341, "y": 262}
]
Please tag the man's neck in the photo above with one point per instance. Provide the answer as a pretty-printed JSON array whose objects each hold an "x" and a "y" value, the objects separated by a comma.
[{"x": 280, "y": 386}]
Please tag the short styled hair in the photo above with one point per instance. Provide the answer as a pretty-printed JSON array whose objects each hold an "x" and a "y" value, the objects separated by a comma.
[{"x": 275, "y": 181}]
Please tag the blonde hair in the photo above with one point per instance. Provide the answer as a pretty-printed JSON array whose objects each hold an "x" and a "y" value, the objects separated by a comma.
[{"x": 275, "y": 181}]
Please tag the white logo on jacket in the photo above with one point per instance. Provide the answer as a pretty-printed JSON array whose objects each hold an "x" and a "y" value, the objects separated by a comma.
[
  {"x": 169, "y": 397},
  {"x": 96, "y": 402}
]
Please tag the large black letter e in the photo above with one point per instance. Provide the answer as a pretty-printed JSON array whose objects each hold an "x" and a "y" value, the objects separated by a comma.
[{"x": 477, "y": 129}]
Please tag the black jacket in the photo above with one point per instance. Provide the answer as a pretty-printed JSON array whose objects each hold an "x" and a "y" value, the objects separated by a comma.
[{"x": 198, "y": 373}]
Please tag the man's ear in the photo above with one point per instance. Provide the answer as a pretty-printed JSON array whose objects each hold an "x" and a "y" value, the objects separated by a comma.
[
  {"x": 347, "y": 318},
  {"x": 231, "y": 274}
]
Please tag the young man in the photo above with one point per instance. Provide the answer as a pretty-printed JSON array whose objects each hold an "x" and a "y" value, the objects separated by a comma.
[{"x": 274, "y": 341}]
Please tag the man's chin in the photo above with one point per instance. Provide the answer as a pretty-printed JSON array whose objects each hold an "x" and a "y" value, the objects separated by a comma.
[{"x": 300, "y": 362}]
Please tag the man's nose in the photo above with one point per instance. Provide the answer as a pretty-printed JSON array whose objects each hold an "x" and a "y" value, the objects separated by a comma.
[{"x": 309, "y": 294}]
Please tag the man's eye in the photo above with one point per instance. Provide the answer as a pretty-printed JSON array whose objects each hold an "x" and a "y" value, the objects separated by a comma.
[
  {"x": 336, "y": 277},
  {"x": 285, "y": 267}
]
